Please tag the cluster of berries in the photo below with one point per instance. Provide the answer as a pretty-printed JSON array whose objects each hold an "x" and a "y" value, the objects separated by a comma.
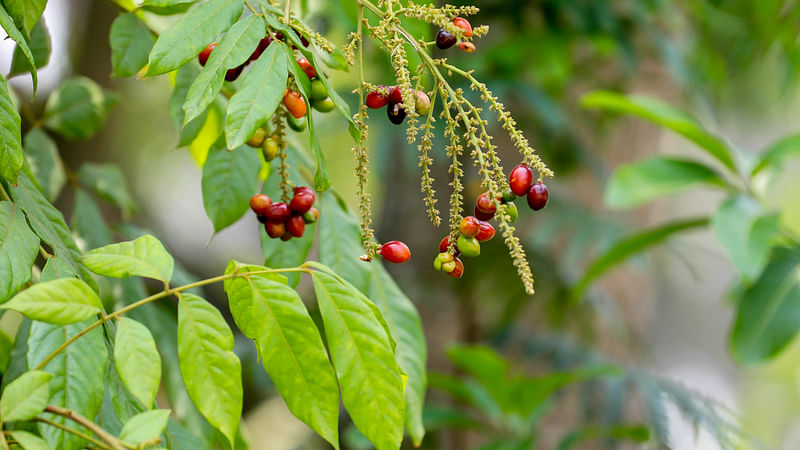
[
  {"x": 233, "y": 74},
  {"x": 392, "y": 97},
  {"x": 282, "y": 220},
  {"x": 445, "y": 39},
  {"x": 476, "y": 229}
]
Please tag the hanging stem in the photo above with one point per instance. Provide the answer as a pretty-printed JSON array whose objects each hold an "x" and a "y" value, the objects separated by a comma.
[{"x": 112, "y": 441}]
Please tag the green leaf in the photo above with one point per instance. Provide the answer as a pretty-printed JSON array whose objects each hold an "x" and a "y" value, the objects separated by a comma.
[
  {"x": 78, "y": 108},
  {"x": 747, "y": 232},
  {"x": 62, "y": 301},
  {"x": 230, "y": 178},
  {"x": 145, "y": 427},
  {"x": 370, "y": 379},
  {"x": 144, "y": 257},
  {"x": 29, "y": 441},
  {"x": 47, "y": 222},
  {"x": 289, "y": 343},
  {"x": 628, "y": 247},
  {"x": 167, "y": 7},
  {"x": 78, "y": 374},
  {"x": 131, "y": 42},
  {"x": 25, "y": 12},
  {"x": 137, "y": 360},
  {"x": 19, "y": 247},
  {"x": 14, "y": 32},
  {"x": 107, "y": 182},
  {"x": 777, "y": 152},
  {"x": 258, "y": 97},
  {"x": 768, "y": 314},
  {"x": 191, "y": 34},
  {"x": 406, "y": 328},
  {"x": 234, "y": 49},
  {"x": 291, "y": 253},
  {"x": 25, "y": 397},
  {"x": 322, "y": 179},
  {"x": 210, "y": 369},
  {"x": 342, "y": 244},
  {"x": 183, "y": 81},
  {"x": 40, "y": 48},
  {"x": 45, "y": 162},
  {"x": 648, "y": 179},
  {"x": 87, "y": 222},
  {"x": 11, "y": 157},
  {"x": 665, "y": 115}
]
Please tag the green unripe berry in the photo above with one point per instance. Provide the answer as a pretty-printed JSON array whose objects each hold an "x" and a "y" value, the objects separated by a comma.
[
  {"x": 318, "y": 91},
  {"x": 295, "y": 123},
  {"x": 468, "y": 246},
  {"x": 325, "y": 105}
]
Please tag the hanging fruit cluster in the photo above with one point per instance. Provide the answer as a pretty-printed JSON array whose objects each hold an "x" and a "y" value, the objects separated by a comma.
[
  {"x": 392, "y": 99},
  {"x": 282, "y": 220}
]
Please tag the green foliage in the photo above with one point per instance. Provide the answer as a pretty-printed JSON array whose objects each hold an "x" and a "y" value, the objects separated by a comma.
[
  {"x": 25, "y": 13},
  {"x": 62, "y": 301},
  {"x": 145, "y": 427},
  {"x": 25, "y": 397},
  {"x": 24, "y": 19},
  {"x": 137, "y": 360},
  {"x": 747, "y": 232},
  {"x": 107, "y": 182},
  {"x": 229, "y": 180},
  {"x": 144, "y": 257},
  {"x": 40, "y": 48},
  {"x": 29, "y": 441},
  {"x": 18, "y": 249},
  {"x": 131, "y": 42},
  {"x": 45, "y": 162},
  {"x": 78, "y": 108},
  {"x": 11, "y": 158}
]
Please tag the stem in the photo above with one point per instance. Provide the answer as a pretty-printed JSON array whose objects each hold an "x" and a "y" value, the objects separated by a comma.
[
  {"x": 251, "y": 8},
  {"x": 5, "y": 194},
  {"x": 162, "y": 294},
  {"x": 71, "y": 430},
  {"x": 287, "y": 10},
  {"x": 3, "y": 439},
  {"x": 112, "y": 441}
]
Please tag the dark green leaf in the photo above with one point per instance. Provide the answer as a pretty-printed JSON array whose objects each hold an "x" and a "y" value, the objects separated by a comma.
[
  {"x": 747, "y": 232},
  {"x": 370, "y": 379},
  {"x": 45, "y": 162},
  {"x": 768, "y": 314},
  {"x": 144, "y": 257},
  {"x": 18, "y": 249},
  {"x": 777, "y": 152},
  {"x": 230, "y": 178},
  {"x": 87, "y": 222},
  {"x": 234, "y": 49},
  {"x": 291, "y": 253},
  {"x": 273, "y": 315},
  {"x": 258, "y": 97},
  {"x": 25, "y": 397},
  {"x": 48, "y": 223},
  {"x": 78, "y": 108},
  {"x": 665, "y": 115},
  {"x": 137, "y": 360},
  {"x": 167, "y": 7},
  {"x": 40, "y": 48},
  {"x": 107, "y": 182},
  {"x": 78, "y": 374},
  {"x": 322, "y": 179},
  {"x": 144, "y": 427},
  {"x": 642, "y": 181},
  {"x": 13, "y": 30},
  {"x": 342, "y": 244},
  {"x": 635, "y": 433},
  {"x": 192, "y": 33},
  {"x": 131, "y": 42},
  {"x": 62, "y": 301},
  {"x": 628, "y": 247},
  {"x": 25, "y": 12},
  {"x": 11, "y": 157},
  {"x": 210, "y": 369},
  {"x": 183, "y": 81}
]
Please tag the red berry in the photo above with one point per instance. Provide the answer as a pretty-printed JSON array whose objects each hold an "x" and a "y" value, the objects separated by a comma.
[
  {"x": 233, "y": 74},
  {"x": 396, "y": 95},
  {"x": 483, "y": 215},
  {"x": 395, "y": 251},
  {"x": 467, "y": 47},
  {"x": 303, "y": 40},
  {"x": 262, "y": 45},
  {"x": 278, "y": 212},
  {"x": 274, "y": 228},
  {"x": 486, "y": 233},
  {"x": 296, "y": 226},
  {"x": 378, "y": 98},
  {"x": 202, "y": 58},
  {"x": 301, "y": 202},
  {"x": 464, "y": 24},
  {"x": 299, "y": 189},
  {"x": 459, "y": 270},
  {"x": 286, "y": 236},
  {"x": 259, "y": 203},
  {"x": 423, "y": 103},
  {"x": 295, "y": 103},
  {"x": 311, "y": 73},
  {"x": 485, "y": 204},
  {"x": 396, "y": 113},
  {"x": 520, "y": 179},
  {"x": 538, "y": 196},
  {"x": 445, "y": 40},
  {"x": 470, "y": 226}
]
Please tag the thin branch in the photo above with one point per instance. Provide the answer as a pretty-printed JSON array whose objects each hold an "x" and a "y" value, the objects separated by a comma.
[{"x": 107, "y": 437}]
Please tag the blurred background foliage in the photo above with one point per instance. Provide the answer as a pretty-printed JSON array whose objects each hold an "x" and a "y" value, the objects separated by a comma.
[{"x": 642, "y": 330}]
